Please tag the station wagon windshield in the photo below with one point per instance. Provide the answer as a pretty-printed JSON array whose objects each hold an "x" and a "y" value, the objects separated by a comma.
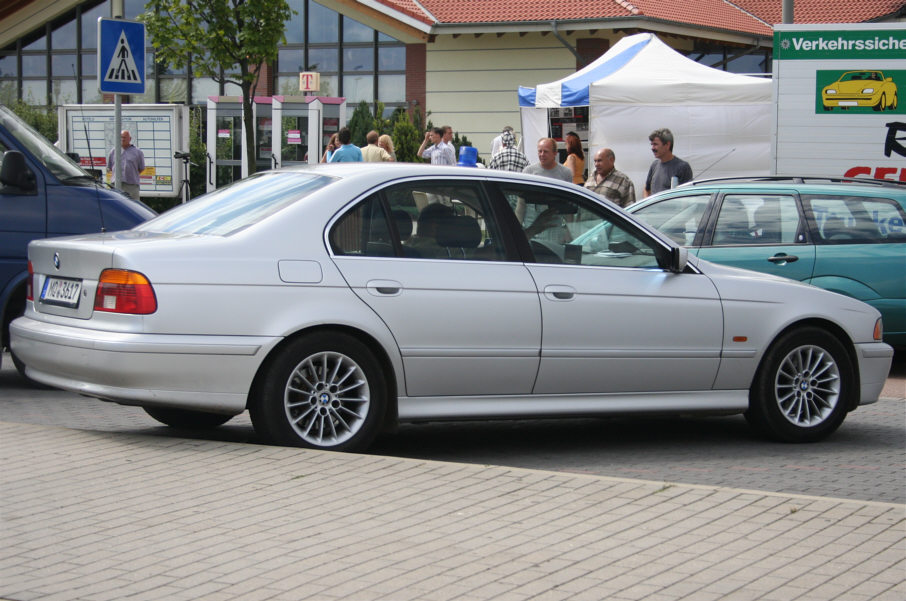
[{"x": 239, "y": 205}]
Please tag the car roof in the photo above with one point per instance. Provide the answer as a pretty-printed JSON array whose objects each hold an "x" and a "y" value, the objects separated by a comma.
[{"x": 803, "y": 184}]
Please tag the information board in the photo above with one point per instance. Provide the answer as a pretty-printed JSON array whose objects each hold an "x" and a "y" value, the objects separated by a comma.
[
  {"x": 158, "y": 130},
  {"x": 840, "y": 92}
]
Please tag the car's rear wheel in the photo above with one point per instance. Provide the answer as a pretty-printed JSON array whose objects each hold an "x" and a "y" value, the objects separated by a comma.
[
  {"x": 323, "y": 391},
  {"x": 803, "y": 387},
  {"x": 187, "y": 419}
]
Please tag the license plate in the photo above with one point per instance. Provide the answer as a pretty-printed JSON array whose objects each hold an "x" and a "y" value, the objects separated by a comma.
[{"x": 61, "y": 291}]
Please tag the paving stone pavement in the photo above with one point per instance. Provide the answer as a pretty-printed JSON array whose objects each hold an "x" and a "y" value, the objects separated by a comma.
[{"x": 98, "y": 516}]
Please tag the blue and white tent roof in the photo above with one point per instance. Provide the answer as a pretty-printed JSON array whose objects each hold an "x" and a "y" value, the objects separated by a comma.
[{"x": 642, "y": 69}]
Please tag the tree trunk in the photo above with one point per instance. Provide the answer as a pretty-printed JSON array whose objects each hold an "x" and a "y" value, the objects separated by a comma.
[{"x": 249, "y": 120}]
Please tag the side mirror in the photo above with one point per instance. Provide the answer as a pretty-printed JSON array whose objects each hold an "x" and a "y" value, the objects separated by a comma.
[
  {"x": 74, "y": 156},
  {"x": 679, "y": 257},
  {"x": 15, "y": 173}
]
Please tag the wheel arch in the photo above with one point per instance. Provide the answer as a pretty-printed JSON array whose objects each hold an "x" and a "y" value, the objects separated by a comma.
[
  {"x": 12, "y": 306},
  {"x": 834, "y": 330},
  {"x": 390, "y": 418}
]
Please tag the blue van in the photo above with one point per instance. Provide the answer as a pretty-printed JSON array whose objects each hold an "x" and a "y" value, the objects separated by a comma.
[{"x": 45, "y": 193}]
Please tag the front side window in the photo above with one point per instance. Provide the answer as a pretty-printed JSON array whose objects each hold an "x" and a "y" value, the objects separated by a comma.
[
  {"x": 421, "y": 220},
  {"x": 679, "y": 217},
  {"x": 757, "y": 219},
  {"x": 566, "y": 228},
  {"x": 855, "y": 219}
]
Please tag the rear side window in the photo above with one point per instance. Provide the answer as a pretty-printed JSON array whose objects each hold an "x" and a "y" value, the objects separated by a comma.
[
  {"x": 855, "y": 219},
  {"x": 421, "y": 220},
  {"x": 757, "y": 219}
]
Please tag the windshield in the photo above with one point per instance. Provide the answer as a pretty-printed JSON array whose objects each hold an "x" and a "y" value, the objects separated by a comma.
[
  {"x": 60, "y": 165},
  {"x": 239, "y": 205}
]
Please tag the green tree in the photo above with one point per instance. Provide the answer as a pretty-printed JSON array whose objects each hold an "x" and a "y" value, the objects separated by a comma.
[
  {"x": 361, "y": 122},
  {"x": 226, "y": 40},
  {"x": 406, "y": 138},
  {"x": 43, "y": 120}
]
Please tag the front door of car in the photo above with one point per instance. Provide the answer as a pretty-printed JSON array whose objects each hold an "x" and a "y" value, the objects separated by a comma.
[
  {"x": 426, "y": 257},
  {"x": 760, "y": 231},
  {"x": 614, "y": 320}
]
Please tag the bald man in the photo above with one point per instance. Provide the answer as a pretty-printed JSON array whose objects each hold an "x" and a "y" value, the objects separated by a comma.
[{"x": 608, "y": 182}]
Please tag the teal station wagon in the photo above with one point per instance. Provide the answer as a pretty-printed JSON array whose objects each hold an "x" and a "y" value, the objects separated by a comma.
[{"x": 847, "y": 236}]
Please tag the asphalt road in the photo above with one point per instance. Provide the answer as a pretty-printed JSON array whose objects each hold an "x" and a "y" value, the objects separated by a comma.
[{"x": 865, "y": 459}]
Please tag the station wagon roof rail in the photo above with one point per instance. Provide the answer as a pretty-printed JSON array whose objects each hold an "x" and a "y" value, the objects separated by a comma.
[{"x": 800, "y": 179}]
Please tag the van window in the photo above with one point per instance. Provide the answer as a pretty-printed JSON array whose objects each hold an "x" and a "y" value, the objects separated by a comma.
[{"x": 60, "y": 165}]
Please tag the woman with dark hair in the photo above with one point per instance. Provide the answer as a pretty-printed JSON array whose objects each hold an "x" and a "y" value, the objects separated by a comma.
[
  {"x": 575, "y": 158},
  {"x": 332, "y": 145}
]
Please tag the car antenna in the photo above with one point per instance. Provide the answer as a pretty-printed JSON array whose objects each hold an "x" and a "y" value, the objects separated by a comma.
[
  {"x": 90, "y": 156},
  {"x": 732, "y": 150}
]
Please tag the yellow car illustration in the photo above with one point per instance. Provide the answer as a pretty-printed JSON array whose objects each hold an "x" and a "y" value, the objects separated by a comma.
[{"x": 861, "y": 88}]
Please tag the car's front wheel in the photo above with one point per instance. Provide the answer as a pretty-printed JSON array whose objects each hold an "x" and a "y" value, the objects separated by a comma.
[
  {"x": 324, "y": 391},
  {"x": 803, "y": 387},
  {"x": 186, "y": 418}
]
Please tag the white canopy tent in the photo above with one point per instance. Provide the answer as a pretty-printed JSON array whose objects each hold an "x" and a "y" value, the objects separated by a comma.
[{"x": 721, "y": 121}]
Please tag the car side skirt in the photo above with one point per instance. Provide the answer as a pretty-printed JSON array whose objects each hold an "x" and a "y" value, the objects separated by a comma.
[{"x": 452, "y": 408}]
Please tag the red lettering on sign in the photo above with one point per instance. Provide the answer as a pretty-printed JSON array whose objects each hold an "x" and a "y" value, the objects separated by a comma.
[{"x": 880, "y": 172}]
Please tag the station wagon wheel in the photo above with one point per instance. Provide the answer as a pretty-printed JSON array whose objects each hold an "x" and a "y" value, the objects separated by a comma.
[
  {"x": 323, "y": 391},
  {"x": 803, "y": 387},
  {"x": 186, "y": 418}
]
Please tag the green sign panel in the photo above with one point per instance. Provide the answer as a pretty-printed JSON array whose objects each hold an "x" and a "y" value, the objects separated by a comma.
[
  {"x": 843, "y": 44},
  {"x": 860, "y": 91}
]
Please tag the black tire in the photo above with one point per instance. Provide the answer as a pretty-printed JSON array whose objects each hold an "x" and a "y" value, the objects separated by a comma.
[
  {"x": 803, "y": 387},
  {"x": 322, "y": 391},
  {"x": 882, "y": 101},
  {"x": 186, "y": 419}
]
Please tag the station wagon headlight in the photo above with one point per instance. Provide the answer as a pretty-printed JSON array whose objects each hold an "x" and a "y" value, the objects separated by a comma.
[{"x": 879, "y": 330}]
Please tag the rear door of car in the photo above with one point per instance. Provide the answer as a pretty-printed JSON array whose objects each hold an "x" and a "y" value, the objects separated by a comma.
[
  {"x": 762, "y": 230},
  {"x": 861, "y": 251},
  {"x": 428, "y": 258}
]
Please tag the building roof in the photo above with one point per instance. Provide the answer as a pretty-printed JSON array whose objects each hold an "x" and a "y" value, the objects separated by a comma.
[
  {"x": 745, "y": 16},
  {"x": 824, "y": 11}
]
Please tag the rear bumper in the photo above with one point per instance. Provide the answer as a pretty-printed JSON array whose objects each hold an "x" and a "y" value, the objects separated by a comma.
[
  {"x": 203, "y": 373},
  {"x": 874, "y": 367}
]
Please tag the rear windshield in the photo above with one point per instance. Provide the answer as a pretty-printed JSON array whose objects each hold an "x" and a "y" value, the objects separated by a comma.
[{"x": 239, "y": 205}]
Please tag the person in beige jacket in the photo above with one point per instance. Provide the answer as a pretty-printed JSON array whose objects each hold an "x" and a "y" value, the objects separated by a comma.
[{"x": 372, "y": 153}]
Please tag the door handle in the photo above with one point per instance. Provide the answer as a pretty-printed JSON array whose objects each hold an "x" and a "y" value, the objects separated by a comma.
[
  {"x": 783, "y": 258},
  {"x": 384, "y": 287},
  {"x": 560, "y": 292}
]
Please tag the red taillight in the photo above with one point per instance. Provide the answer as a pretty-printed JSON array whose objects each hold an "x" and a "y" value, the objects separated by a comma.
[
  {"x": 30, "y": 283},
  {"x": 122, "y": 291}
]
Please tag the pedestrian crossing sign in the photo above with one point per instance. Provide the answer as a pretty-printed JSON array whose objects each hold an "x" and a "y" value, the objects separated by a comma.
[{"x": 121, "y": 56}]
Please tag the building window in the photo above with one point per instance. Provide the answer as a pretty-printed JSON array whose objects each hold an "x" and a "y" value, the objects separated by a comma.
[{"x": 57, "y": 63}]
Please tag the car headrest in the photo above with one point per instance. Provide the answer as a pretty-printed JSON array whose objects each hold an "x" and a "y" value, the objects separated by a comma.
[
  {"x": 403, "y": 223},
  {"x": 13, "y": 171},
  {"x": 459, "y": 231}
]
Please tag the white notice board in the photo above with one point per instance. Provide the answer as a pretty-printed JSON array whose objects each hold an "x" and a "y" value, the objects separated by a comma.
[{"x": 158, "y": 130}]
